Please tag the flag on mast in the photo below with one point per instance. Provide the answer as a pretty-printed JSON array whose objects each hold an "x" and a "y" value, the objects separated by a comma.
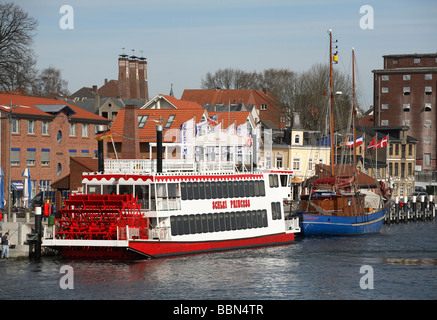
[
  {"x": 382, "y": 143},
  {"x": 372, "y": 143}
]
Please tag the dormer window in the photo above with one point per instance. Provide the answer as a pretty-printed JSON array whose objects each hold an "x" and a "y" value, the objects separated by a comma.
[{"x": 296, "y": 139}]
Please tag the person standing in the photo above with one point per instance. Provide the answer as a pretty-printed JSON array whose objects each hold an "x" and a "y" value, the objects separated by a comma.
[
  {"x": 5, "y": 244},
  {"x": 1, "y": 221},
  {"x": 47, "y": 209}
]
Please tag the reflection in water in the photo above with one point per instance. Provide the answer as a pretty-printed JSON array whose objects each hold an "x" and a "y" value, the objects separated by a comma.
[{"x": 310, "y": 268}]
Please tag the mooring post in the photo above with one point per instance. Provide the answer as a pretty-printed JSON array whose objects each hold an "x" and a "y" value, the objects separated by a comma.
[
  {"x": 414, "y": 209},
  {"x": 432, "y": 206},
  {"x": 406, "y": 209},
  {"x": 38, "y": 231},
  {"x": 397, "y": 209}
]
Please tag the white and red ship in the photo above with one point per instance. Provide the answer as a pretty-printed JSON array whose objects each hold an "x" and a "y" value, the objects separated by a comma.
[{"x": 129, "y": 212}]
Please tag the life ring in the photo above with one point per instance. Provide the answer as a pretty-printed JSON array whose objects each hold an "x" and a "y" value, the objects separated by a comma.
[
  {"x": 326, "y": 199},
  {"x": 162, "y": 233}
]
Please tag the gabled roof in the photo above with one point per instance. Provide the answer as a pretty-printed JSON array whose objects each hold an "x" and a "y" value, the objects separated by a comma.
[
  {"x": 148, "y": 132},
  {"x": 172, "y": 102},
  {"x": 30, "y": 108},
  {"x": 228, "y": 118}
]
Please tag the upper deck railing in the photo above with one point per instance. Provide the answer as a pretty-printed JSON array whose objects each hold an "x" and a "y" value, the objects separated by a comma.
[{"x": 141, "y": 166}]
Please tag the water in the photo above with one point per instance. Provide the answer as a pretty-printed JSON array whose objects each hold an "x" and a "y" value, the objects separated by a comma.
[{"x": 403, "y": 258}]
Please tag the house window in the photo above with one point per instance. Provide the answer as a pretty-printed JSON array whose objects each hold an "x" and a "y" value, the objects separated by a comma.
[
  {"x": 296, "y": 139},
  {"x": 384, "y": 122},
  {"x": 59, "y": 136},
  {"x": 428, "y": 90},
  {"x": 427, "y": 140},
  {"x": 406, "y": 107},
  {"x": 15, "y": 126},
  {"x": 427, "y": 106},
  {"x": 427, "y": 124},
  {"x": 15, "y": 156},
  {"x": 142, "y": 121},
  {"x": 31, "y": 156},
  {"x": 427, "y": 157},
  {"x": 410, "y": 169},
  {"x": 385, "y": 77},
  {"x": 72, "y": 129},
  {"x": 169, "y": 121},
  {"x": 428, "y": 76},
  {"x": 45, "y": 157},
  {"x": 279, "y": 162},
  {"x": 310, "y": 164},
  {"x": 384, "y": 89},
  {"x": 390, "y": 169},
  {"x": 85, "y": 130},
  {"x": 30, "y": 126},
  {"x": 416, "y": 60},
  {"x": 384, "y": 106},
  {"x": 396, "y": 169},
  {"x": 296, "y": 164},
  {"x": 410, "y": 149},
  {"x": 406, "y": 123},
  {"x": 263, "y": 107},
  {"x": 58, "y": 169},
  {"x": 406, "y": 91},
  {"x": 406, "y": 77},
  {"x": 44, "y": 128}
]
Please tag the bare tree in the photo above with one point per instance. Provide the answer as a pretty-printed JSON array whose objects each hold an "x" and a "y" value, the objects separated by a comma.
[
  {"x": 50, "y": 81},
  {"x": 17, "y": 61}
]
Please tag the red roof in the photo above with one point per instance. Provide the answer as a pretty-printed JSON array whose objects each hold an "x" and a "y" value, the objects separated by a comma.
[
  {"x": 148, "y": 132},
  {"x": 29, "y": 104}
]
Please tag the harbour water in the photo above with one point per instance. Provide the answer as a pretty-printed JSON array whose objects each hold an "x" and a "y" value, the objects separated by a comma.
[{"x": 398, "y": 263}]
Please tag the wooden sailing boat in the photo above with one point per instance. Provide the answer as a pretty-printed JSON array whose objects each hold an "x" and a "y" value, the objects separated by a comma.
[{"x": 342, "y": 201}]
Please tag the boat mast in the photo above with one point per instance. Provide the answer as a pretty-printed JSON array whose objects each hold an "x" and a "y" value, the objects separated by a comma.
[
  {"x": 331, "y": 89},
  {"x": 354, "y": 120}
]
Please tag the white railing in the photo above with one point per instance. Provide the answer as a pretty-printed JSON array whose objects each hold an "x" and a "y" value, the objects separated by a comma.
[
  {"x": 139, "y": 166},
  {"x": 292, "y": 224},
  {"x": 162, "y": 233}
]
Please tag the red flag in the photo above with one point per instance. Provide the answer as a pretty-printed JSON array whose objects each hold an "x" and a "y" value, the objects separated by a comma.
[
  {"x": 382, "y": 143},
  {"x": 372, "y": 143}
]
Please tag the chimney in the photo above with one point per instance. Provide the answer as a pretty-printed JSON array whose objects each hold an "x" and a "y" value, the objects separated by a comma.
[
  {"x": 142, "y": 70},
  {"x": 94, "y": 88},
  {"x": 130, "y": 148},
  {"x": 134, "y": 79},
  {"x": 123, "y": 77}
]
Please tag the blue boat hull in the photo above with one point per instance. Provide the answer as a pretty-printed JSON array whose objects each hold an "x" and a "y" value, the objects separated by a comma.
[{"x": 326, "y": 225}]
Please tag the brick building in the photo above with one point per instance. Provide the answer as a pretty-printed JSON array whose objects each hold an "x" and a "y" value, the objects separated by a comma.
[
  {"x": 405, "y": 94},
  {"x": 44, "y": 134}
]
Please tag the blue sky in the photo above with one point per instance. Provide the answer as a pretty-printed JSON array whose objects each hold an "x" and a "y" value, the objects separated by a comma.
[{"x": 184, "y": 39}]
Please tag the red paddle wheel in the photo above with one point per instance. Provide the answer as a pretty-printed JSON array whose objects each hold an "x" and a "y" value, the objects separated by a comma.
[{"x": 102, "y": 217}]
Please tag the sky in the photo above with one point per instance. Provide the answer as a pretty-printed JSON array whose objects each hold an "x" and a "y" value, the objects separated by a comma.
[{"x": 184, "y": 39}]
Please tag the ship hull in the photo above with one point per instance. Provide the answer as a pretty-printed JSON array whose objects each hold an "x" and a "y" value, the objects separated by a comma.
[
  {"x": 140, "y": 249},
  {"x": 328, "y": 225}
]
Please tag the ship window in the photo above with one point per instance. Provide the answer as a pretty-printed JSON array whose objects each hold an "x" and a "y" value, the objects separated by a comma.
[
  {"x": 125, "y": 189},
  {"x": 201, "y": 190},
  {"x": 174, "y": 225},
  {"x": 262, "y": 190},
  {"x": 207, "y": 190},
  {"x": 195, "y": 190},
  {"x": 227, "y": 221},
  {"x": 252, "y": 188},
  {"x": 204, "y": 219},
  {"x": 236, "y": 190},
  {"x": 219, "y": 189},
  {"x": 264, "y": 216},
  {"x": 276, "y": 210},
  {"x": 95, "y": 189},
  {"x": 225, "y": 189},
  {"x": 246, "y": 189},
  {"x": 189, "y": 191},
  {"x": 283, "y": 178},
  {"x": 273, "y": 181},
  {"x": 186, "y": 224},
  {"x": 216, "y": 221},
  {"x": 199, "y": 228},
  {"x": 142, "y": 193},
  {"x": 241, "y": 188},
  {"x": 210, "y": 222},
  {"x": 184, "y": 190},
  {"x": 232, "y": 221},
  {"x": 213, "y": 190},
  {"x": 222, "y": 221},
  {"x": 192, "y": 220},
  {"x": 180, "y": 225}
]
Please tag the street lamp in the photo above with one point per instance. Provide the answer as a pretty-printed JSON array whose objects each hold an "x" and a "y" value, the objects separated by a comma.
[{"x": 9, "y": 117}]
